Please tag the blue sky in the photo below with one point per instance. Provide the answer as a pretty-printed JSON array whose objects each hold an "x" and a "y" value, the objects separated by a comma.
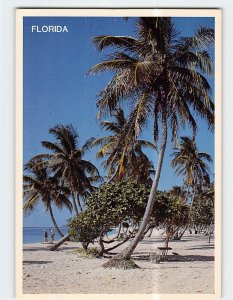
[{"x": 56, "y": 90}]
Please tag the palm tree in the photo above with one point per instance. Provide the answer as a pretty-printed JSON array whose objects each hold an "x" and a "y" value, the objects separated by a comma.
[
  {"x": 38, "y": 187},
  {"x": 161, "y": 74},
  {"x": 66, "y": 160},
  {"x": 192, "y": 164},
  {"x": 203, "y": 209},
  {"x": 125, "y": 157},
  {"x": 178, "y": 193}
]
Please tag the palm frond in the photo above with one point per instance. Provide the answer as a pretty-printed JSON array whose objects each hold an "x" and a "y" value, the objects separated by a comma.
[{"x": 122, "y": 42}]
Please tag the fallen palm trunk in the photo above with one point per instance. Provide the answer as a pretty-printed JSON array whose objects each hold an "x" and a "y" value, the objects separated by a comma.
[{"x": 59, "y": 243}]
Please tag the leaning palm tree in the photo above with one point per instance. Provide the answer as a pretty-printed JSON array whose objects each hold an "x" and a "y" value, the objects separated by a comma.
[
  {"x": 124, "y": 157},
  {"x": 161, "y": 74},
  {"x": 40, "y": 186},
  {"x": 66, "y": 160}
]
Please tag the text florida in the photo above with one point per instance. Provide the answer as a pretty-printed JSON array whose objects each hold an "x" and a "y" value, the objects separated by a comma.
[{"x": 49, "y": 28}]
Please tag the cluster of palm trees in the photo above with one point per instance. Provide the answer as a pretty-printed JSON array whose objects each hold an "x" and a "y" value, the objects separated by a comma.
[
  {"x": 194, "y": 167},
  {"x": 162, "y": 76},
  {"x": 61, "y": 177}
]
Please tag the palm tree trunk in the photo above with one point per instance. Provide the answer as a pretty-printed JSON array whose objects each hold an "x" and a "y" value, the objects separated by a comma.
[
  {"x": 176, "y": 235},
  {"x": 190, "y": 211},
  {"x": 191, "y": 205},
  {"x": 59, "y": 243},
  {"x": 54, "y": 222},
  {"x": 187, "y": 193},
  {"x": 74, "y": 203},
  {"x": 79, "y": 203},
  {"x": 126, "y": 254},
  {"x": 113, "y": 176}
]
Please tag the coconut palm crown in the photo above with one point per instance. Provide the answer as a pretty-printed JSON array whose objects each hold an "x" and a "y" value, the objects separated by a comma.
[
  {"x": 66, "y": 160},
  {"x": 191, "y": 164},
  {"x": 40, "y": 186},
  {"x": 160, "y": 73},
  {"x": 125, "y": 158}
]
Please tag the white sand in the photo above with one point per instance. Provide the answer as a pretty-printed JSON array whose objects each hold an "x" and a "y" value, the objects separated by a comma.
[{"x": 65, "y": 272}]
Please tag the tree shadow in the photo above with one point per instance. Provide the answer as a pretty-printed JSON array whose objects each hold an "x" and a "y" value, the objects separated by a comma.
[
  {"x": 62, "y": 248},
  {"x": 141, "y": 256},
  {"x": 186, "y": 258},
  {"x": 37, "y": 262},
  {"x": 160, "y": 240},
  {"x": 173, "y": 258},
  {"x": 35, "y": 249},
  {"x": 204, "y": 247}
]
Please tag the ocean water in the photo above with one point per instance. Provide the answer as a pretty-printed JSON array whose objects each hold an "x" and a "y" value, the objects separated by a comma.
[{"x": 36, "y": 234}]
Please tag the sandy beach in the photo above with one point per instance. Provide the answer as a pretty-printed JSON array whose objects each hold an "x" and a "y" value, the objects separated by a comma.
[{"x": 66, "y": 272}]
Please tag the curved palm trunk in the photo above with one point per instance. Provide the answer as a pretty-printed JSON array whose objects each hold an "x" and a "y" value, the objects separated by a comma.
[
  {"x": 126, "y": 254},
  {"x": 59, "y": 243},
  {"x": 54, "y": 222},
  {"x": 74, "y": 203},
  {"x": 113, "y": 176},
  {"x": 79, "y": 203}
]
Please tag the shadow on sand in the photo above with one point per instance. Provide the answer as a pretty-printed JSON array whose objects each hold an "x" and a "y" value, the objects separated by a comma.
[
  {"x": 174, "y": 258},
  {"x": 201, "y": 247},
  {"x": 36, "y": 262},
  {"x": 183, "y": 258},
  {"x": 61, "y": 248},
  {"x": 35, "y": 249},
  {"x": 162, "y": 239}
]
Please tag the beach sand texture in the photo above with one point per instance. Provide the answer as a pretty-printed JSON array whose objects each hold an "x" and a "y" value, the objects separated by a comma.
[{"x": 64, "y": 272}]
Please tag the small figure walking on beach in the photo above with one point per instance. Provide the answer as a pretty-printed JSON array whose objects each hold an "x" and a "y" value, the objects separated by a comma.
[
  {"x": 52, "y": 235},
  {"x": 45, "y": 236}
]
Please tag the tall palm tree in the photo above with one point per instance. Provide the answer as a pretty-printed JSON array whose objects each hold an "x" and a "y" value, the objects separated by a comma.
[
  {"x": 125, "y": 156},
  {"x": 40, "y": 186},
  {"x": 161, "y": 74},
  {"x": 66, "y": 160}
]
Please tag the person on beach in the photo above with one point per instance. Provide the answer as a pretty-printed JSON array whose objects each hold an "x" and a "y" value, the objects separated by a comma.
[
  {"x": 52, "y": 235},
  {"x": 45, "y": 236}
]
